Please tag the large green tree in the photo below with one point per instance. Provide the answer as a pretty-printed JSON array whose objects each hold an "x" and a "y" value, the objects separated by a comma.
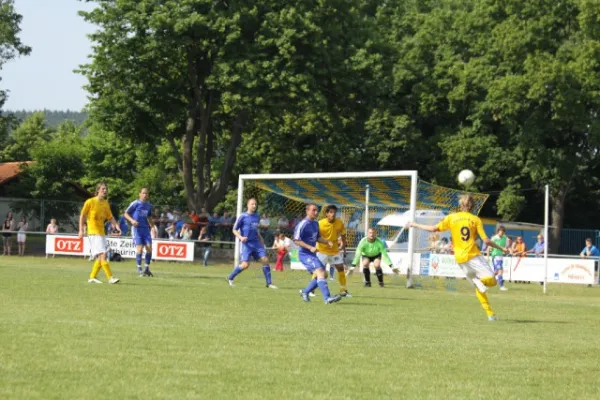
[{"x": 284, "y": 78}]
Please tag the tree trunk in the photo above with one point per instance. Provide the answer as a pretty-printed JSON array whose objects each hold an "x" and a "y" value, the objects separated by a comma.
[{"x": 557, "y": 203}]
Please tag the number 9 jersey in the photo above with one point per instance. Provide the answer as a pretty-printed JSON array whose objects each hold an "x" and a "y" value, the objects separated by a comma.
[{"x": 464, "y": 228}]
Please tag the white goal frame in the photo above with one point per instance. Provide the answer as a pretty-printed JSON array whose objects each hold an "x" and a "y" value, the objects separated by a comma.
[{"x": 414, "y": 181}]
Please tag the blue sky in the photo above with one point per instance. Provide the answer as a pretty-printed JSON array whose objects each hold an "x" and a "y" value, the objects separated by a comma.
[{"x": 45, "y": 78}]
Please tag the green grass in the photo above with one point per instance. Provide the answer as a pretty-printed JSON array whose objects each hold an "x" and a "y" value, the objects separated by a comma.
[{"x": 186, "y": 335}]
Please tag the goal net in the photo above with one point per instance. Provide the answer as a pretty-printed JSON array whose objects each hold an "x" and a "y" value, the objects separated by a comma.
[{"x": 384, "y": 200}]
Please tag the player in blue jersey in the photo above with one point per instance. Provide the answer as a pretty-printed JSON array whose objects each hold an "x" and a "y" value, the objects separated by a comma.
[
  {"x": 253, "y": 245},
  {"x": 306, "y": 237},
  {"x": 138, "y": 214}
]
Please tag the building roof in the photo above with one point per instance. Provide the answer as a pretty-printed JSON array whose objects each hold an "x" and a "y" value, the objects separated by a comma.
[{"x": 10, "y": 170}]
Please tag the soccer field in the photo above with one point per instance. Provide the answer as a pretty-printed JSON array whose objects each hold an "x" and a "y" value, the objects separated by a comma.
[{"x": 184, "y": 334}]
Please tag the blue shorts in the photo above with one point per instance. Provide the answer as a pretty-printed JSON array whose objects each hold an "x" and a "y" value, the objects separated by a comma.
[
  {"x": 498, "y": 263},
  {"x": 256, "y": 251},
  {"x": 311, "y": 262},
  {"x": 141, "y": 236}
]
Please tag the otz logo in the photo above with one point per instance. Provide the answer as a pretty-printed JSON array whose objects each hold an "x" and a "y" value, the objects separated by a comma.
[
  {"x": 172, "y": 250},
  {"x": 68, "y": 245}
]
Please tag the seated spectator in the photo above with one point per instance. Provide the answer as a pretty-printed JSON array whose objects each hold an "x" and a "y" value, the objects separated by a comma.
[
  {"x": 206, "y": 246},
  {"x": 518, "y": 248},
  {"x": 589, "y": 250},
  {"x": 538, "y": 248},
  {"x": 170, "y": 230},
  {"x": 179, "y": 224},
  {"x": 186, "y": 232}
]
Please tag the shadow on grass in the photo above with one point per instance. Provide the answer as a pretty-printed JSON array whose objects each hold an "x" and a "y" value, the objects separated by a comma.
[
  {"x": 534, "y": 321},
  {"x": 382, "y": 298}
]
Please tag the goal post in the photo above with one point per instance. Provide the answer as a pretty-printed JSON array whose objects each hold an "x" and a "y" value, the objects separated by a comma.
[{"x": 364, "y": 199}]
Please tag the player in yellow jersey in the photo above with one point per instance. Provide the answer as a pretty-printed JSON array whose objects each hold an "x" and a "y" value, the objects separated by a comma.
[
  {"x": 97, "y": 211},
  {"x": 464, "y": 228},
  {"x": 333, "y": 230}
]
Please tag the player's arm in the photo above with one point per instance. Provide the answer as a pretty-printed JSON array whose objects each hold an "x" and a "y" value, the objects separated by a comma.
[
  {"x": 83, "y": 217},
  {"x": 261, "y": 239},
  {"x": 384, "y": 253},
  {"x": 359, "y": 251},
  {"x": 428, "y": 228},
  {"x": 236, "y": 230},
  {"x": 115, "y": 225},
  {"x": 322, "y": 240}
]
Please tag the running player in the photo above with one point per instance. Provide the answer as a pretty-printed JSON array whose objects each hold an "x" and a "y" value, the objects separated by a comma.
[
  {"x": 332, "y": 229},
  {"x": 253, "y": 245},
  {"x": 501, "y": 240},
  {"x": 464, "y": 227},
  {"x": 306, "y": 237}
]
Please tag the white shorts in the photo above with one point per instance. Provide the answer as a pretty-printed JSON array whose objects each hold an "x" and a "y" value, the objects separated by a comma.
[
  {"x": 97, "y": 244},
  {"x": 21, "y": 237},
  {"x": 331, "y": 260},
  {"x": 477, "y": 267}
]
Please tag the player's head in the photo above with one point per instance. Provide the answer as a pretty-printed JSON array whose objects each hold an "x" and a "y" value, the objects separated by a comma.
[
  {"x": 144, "y": 194},
  {"x": 53, "y": 221},
  {"x": 501, "y": 230},
  {"x": 330, "y": 212},
  {"x": 101, "y": 190},
  {"x": 588, "y": 242},
  {"x": 312, "y": 211},
  {"x": 540, "y": 238},
  {"x": 466, "y": 203},
  {"x": 371, "y": 234},
  {"x": 252, "y": 204}
]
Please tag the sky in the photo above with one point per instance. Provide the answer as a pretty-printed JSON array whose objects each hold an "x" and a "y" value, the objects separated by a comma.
[{"x": 57, "y": 36}]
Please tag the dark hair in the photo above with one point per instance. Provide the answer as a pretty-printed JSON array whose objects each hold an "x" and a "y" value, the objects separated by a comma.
[
  {"x": 501, "y": 228},
  {"x": 588, "y": 239},
  {"x": 330, "y": 207}
]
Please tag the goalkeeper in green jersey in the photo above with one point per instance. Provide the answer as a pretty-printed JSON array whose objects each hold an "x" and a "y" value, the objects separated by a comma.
[{"x": 372, "y": 249}]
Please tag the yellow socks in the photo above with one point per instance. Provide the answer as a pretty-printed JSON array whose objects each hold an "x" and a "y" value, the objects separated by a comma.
[
  {"x": 95, "y": 269},
  {"x": 106, "y": 269},
  {"x": 483, "y": 299},
  {"x": 342, "y": 279}
]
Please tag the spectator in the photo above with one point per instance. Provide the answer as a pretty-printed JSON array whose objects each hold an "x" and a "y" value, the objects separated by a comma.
[
  {"x": 203, "y": 219},
  {"x": 283, "y": 223},
  {"x": 589, "y": 250},
  {"x": 227, "y": 227},
  {"x": 162, "y": 225},
  {"x": 179, "y": 225},
  {"x": 154, "y": 231},
  {"x": 518, "y": 247},
  {"x": 7, "y": 227},
  {"x": 123, "y": 224},
  {"x": 445, "y": 247},
  {"x": 21, "y": 235},
  {"x": 186, "y": 232},
  {"x": 213, "y": 223},
  {"x": 264, "y": 223},
  {"x": 51, "y": 229},
  {"x": 205, "y": 246},
  {"x": 538, "y": 247},
  {"x": 169, "y": 215},
  {"x": 170, "y": 230},
  {"x": 282, "y": 245},
  {"x": 434, "y": 244}
]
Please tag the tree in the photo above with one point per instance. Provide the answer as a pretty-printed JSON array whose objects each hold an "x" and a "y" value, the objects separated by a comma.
[
  {"x": 208, "y": 76},
  {"x": 10, "y": 48},
  {"x": 30, "y": 134}
]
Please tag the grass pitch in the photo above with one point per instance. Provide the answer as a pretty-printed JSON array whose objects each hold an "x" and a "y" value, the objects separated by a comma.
[{"x": 184, "y": 334}]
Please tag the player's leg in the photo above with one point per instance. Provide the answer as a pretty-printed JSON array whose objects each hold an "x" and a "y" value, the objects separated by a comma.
[
  {"x": 366, "y": 267},
  {"x": 244, "y": 263},
  {"x": 331, "y": 272},
  {"x": 262, "y": 256},
  {"x": 479, "y": 267},
  {"x": 138, "y": 255},
  {"x": 148, "y": 256},
  {"x": 499, "y": 271},
  {"x": 378, "y": 270},
  {"x": 314, "y": 265}
]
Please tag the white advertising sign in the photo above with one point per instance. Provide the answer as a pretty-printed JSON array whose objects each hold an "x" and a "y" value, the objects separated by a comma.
[{"x": 161, "y": 249}]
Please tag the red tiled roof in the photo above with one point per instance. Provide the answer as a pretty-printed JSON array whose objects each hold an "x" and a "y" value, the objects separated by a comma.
[{"x": 10, "y": 170}]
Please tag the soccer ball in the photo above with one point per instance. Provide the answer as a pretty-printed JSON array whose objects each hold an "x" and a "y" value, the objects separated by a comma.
[{"x": 466, "y": 177}]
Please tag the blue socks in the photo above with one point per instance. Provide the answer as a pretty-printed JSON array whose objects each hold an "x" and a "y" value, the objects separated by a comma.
[
  {"x": 138, "y": 260},
  {"x": 267, "y": 272},
  {"x": 500, "y": 280},
  {"x": 236, "y": 271},
  {"x": 322, "y": 283},
  {"x": 312, "y": 285},
  {"x": 148, "y": 259},
  {"x": 331, "y": 271}
]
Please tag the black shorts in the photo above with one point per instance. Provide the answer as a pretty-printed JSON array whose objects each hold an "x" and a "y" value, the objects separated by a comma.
[
  {"x": 7, "y": 235},
  {"x": 372, "y": 259}
]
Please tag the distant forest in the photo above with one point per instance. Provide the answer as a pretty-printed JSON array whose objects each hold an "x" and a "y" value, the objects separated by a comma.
[{"x": 53, "y": 117}]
